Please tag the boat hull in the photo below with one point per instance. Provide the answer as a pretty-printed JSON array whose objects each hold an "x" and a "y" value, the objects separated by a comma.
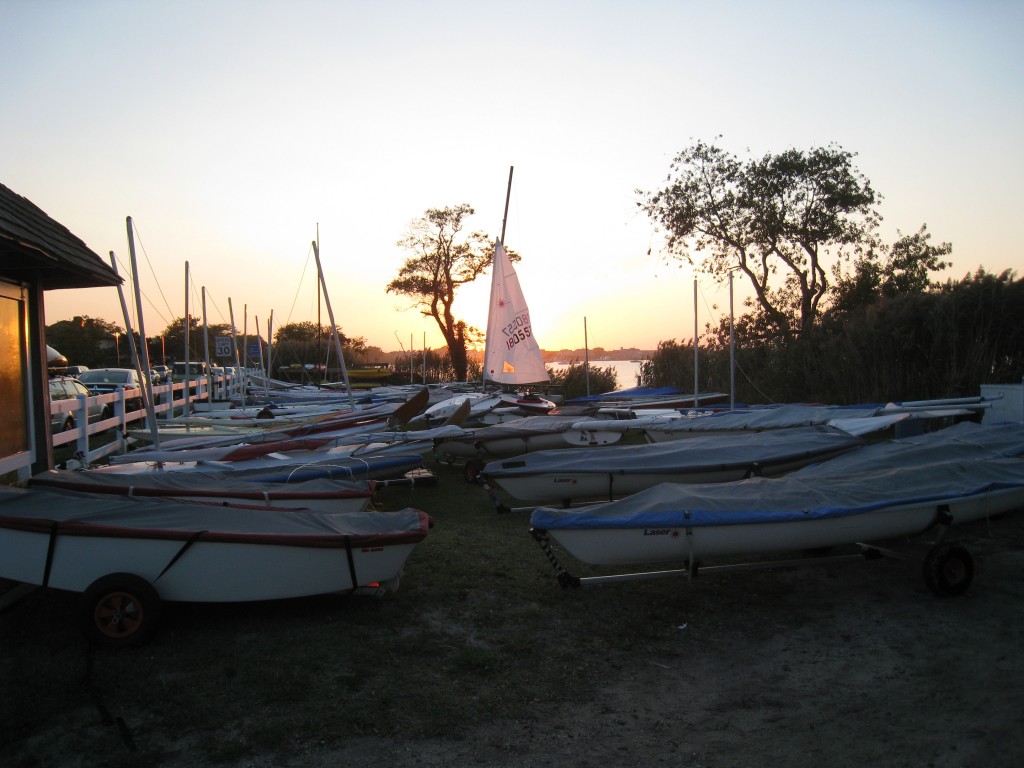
[
  {"x": 663, "y": 544},
  {"x": 525, "y": 435},
  {"x": 197, "y": 553},
  {"x": 568, "y": 476},
  {"x": 882, "y": 491}
]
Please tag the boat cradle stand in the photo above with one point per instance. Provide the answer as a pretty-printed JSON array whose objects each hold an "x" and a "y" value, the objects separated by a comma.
[{"x": 948, "y": 567}]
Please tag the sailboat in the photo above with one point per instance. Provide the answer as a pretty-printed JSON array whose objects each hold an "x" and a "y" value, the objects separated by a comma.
[{"x": 512, "y": 354}]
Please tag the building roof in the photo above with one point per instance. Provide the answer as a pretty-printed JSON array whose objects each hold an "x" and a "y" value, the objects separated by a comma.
[{"x": 36, "y": 249}]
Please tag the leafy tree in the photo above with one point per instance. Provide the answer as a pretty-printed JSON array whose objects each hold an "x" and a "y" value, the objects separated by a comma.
[
  {"x": 777, "y": 216},
  {"x": 574, "y": 380},
  {"x": 174, "y": 339},
  {"x": 307, "y": 341},
  {"x": 89, "y": 341},
  {"x": 173, "y": 344},
  {"x": 445, "y": 258},
  {"x": 902, "y": 269}
]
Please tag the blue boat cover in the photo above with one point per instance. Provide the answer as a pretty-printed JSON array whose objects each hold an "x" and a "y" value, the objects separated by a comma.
[
  {"x": 629, "y": 394},
  {"x": 959, "y": 461}
]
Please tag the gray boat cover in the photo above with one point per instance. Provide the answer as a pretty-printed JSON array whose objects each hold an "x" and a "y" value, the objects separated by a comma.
[
  {"x": 212, "y": 484},
  {"x": 697, "y": 454},
  {"x": 527, "y": 426},
  {"x": 71, "y": 513},
  {"x": 287, "y": 470},
  {"x": 770, "y": 418},
  {"x": 959, "y": 461},
  {"x": 350, "y": 468}
]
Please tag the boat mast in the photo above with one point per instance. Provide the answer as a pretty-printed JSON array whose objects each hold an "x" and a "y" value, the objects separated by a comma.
[
  {"x": 206, "y": 353},
  {"x": 334, "y": 328},
  {"x": 504, "y": 221},
  {"x": 187, "y": 401},
  {"x": 508, "y": 193},
  {"x": 270, "y": 349},
  {"x": 147, "y": 393},
  {"x": 234, "y": 347},
  {"x": 143, "y": 362},
  {"x": 319, "y": 326},
  {"x": 586, "y": 355},
  {"x": 696, "y": 358},
  {"x": 260, "y": 360}
]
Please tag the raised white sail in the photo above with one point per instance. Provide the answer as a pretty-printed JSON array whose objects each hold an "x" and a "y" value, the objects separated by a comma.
[{"x": 512, "y": 354}]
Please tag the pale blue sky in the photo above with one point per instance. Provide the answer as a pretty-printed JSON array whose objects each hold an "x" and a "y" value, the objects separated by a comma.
[{"x": 228, "y": 130}]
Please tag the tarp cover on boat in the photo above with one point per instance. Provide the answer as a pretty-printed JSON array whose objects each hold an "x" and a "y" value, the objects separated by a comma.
[
  {"x": 88, "y": 514},
  {"x": 697, "y": 454},
  {"x": 524, "y": 427},
  {"x": 388, "y": 465},
  {"x": 770, "y": 418},
  {"x": 213, "y": 484},
  {"x": 284, "y": 469},
  {"x": 959, "y": 461},
  {"x": 629, "y": 394}
]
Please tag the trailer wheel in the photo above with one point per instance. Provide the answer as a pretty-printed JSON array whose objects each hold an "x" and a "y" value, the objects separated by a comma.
[
  {"x": 119, "y": 610},
  {"x": 948, "y": 570}
]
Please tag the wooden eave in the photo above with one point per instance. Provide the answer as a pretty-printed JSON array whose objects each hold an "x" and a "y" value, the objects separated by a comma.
[{"x": 35, "y": 249}]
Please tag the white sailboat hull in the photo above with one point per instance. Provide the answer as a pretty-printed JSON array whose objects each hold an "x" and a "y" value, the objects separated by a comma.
[
  {"x": 568, "y": 476},
  {"x": 197, "y": 553},
  {"x": 643, "y": 545},
  {"x": 882, "y": 491}
]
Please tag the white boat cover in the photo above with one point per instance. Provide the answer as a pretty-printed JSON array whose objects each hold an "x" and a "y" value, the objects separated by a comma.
[
  {"x": 958, "y": 462},
  {"x": 69, "y": 513},
  {"x": 698, "y": 454}
]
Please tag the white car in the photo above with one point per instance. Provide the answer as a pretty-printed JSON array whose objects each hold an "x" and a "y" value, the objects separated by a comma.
[{"x": 68, "y": 388}]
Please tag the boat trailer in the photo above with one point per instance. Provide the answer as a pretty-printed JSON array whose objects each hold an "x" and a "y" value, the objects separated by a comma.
[{"x": 948, "y": 567}]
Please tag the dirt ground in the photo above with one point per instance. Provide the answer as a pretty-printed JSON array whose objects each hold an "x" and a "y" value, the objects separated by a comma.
[
  {"x": 849, "y": 665},
  {"x": 841, "y": 665}
]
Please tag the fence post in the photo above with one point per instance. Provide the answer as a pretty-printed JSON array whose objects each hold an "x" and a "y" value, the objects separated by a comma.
[{"x": 82, "y": 421}]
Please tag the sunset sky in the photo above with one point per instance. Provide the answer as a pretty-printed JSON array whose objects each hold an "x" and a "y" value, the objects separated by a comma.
[{"x": 230, "y": 130}]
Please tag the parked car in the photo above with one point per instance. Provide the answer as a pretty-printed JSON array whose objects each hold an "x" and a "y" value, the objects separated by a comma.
[
  {"x": 75, "y": 370},
  {"x": 69, "y": 388},
  {"x": 195, "y": 371},
  {"x": 100, "y": 381},
  {"x": 162, "y": 374}
]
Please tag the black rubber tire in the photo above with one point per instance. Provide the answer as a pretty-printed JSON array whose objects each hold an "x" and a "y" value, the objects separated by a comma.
[
  {"x": 949, "y": 570},
  {"x": 69, "y": 424},
  {"x": 119, "y": 610}
]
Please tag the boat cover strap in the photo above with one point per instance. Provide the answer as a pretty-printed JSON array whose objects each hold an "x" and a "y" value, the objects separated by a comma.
[
  {"x": 49, "y": 553},
  {"x": 351, "y": 561},
  {"x": 184, "y": 548}
]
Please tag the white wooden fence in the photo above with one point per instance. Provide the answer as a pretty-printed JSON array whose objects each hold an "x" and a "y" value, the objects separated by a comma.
[{"x": 92, "y": 442}]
